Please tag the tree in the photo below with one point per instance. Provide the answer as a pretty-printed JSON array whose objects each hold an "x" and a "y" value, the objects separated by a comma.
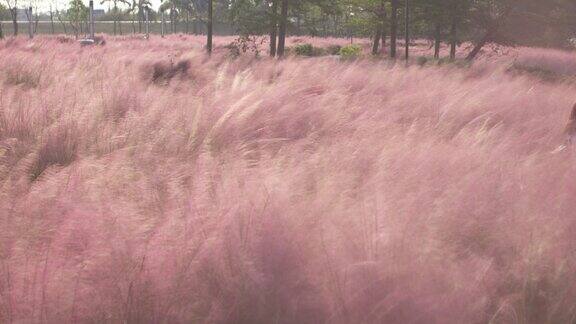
[
  {"x": 435, "y": 14},
  {"x": 407, "y": 28},
  {"x": 273, "y": 26},
  {"x": 115, "y": 10},
  {"x": 210, "y": 25},
  {"x": 12, "y": 8},
  {"x": 52, "y": 29},
  {"x": 283, "y": 28},
  {"x": 4, "y": 14},
  {"x": 380, "y": 33},
  {"x": 491, "y": 15},
  {"x": 393, "y": 28},
  {"x": 141, "y": 6},
  {"x": 368, "y": 17},
  {"x": 171, "y": 6},
  {"x": 77, "y": 13}
]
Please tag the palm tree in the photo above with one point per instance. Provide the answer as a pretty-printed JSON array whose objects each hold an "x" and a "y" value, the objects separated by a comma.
[
  {"x": 170, "y": 5},
  {"x": 138, "y": 7},
  {"x": 115, "y": 8}
]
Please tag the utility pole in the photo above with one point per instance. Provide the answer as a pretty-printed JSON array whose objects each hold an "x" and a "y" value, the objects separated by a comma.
[
  {"x": 91, "y": 19},
  {"x": 30, "y": 32}
]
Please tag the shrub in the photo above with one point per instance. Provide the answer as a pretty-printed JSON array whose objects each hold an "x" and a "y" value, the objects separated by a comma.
[
  {"x": 58, "y": 147},
  {"x": 350, "y": 52},
  {"x": 333, "y": 49},
  {"x": 21, "y": 74},
  {"x": 245, "y": 44},
  {"x": 162, "y": 72},
  {"x": 319, "y": 51},
  {"x": 309, "y": 50},
  {"x": 422, "y": 60},
  {"x": 304, "y": 50}
]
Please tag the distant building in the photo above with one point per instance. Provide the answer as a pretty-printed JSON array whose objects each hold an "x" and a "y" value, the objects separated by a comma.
[
  {"x": 21, "y": 15},
  {"x": 99, "y": 13}
]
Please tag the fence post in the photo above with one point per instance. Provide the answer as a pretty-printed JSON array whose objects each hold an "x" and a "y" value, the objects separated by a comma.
[
  {"x": 91, "y": 19},
  {"x": 30, "y": 32}
]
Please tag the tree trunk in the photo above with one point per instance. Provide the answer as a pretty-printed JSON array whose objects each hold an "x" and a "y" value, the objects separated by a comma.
[
  {"x": 487, "y": 37},
  {"x": 1, "y": 32},
  {"x": 273, "y": 28},
  {"x": 63, "y": 24},
  {"x": 36, "y": 21},
  {"x": 282, "y": 29},
  {"x": 437, "y": 40},
  {"x": 382, "y": 26},
  {"x": 376, "y": 43},
  {"x": 172, "y": 17},
  {"x": 210, "y": 26},
  {"x": 175, "y": 21},
  {"x": 407, "y": 29},
  {"x": 393, "y": 28},
  {"x": 133, "y": 24},
  {"x": 74, "y": 26},
  {"x": 115, "y": 17},
  {"x": 52, "y": 29},
  {"x": 383, "y": 35},
  {"x": 453, "y": 37},
  {"x": 14, "y": 14},
  {"x": 139, "y": 21},
  {"x": 334, "y": 20},
  {"x": 298, "y": 25},
  {"x": 162, "y": 24},
  {"x": 187, "y": 22}
]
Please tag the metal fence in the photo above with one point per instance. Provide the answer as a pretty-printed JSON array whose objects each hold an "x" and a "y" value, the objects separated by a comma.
[{"x": 122, "y": 28}]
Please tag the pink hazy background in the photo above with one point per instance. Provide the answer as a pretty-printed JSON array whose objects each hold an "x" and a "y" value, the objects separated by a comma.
[{"x": 142, "y": 181}]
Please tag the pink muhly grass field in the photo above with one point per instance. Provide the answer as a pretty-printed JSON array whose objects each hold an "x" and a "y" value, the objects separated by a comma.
[
  {"x": 143, "y": 182},
  {"x": 550, "y": 60}
]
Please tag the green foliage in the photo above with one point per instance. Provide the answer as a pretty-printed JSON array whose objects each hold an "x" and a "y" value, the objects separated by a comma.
[
  {"x": 4, "y": 12},
  {"x": 308, "y": 50},
  {"x": 528, "y": 22},
  {"x": 22, "y": 75},
  {"x": 251, "y": 17},
  {"x": 319, "y": 51},
  {"x": 304, "y": 50},
  {"x": 350, "y": 52},
  {"x": 245, "y": 44},
  {"x": 77, "y": 11},
  {"x": 333, "y": 49}
]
